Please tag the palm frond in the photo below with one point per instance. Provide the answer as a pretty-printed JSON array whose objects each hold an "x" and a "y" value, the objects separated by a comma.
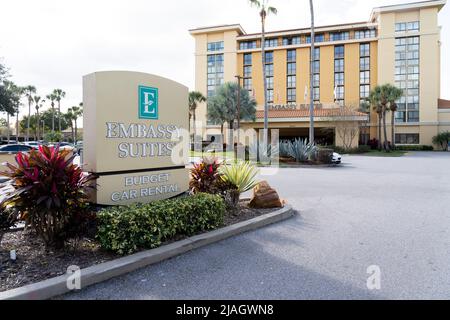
[
  {"x": 272, "y": 10},
  {"x": 255, "y": 3}
]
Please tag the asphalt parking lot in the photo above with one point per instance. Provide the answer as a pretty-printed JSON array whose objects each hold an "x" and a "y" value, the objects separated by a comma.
[{"x": 392, "y": 213}]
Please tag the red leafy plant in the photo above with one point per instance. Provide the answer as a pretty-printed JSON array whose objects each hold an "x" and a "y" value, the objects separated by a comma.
[
  {"x": 205, "y": 176},
  {"x": 49, "y": 191}
]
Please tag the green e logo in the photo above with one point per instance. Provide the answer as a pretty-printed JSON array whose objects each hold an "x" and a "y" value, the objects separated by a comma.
[{"x": 148, "y": 103}]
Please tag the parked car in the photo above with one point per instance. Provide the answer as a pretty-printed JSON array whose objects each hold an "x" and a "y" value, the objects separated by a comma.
[
  {"x": 34, "y": 144},
  {"x": 337, "y": 158},
  {"x": 64, "y": 146},
  {"x": 14, "y": 148}
]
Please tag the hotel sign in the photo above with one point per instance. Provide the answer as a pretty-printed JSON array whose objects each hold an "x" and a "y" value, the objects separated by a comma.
[
  {"x": 293, "y": 106},
  {"x": 133, "y": 123}
]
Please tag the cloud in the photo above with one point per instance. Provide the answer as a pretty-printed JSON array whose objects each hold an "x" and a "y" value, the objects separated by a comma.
[{"x": 52, "y": 44}]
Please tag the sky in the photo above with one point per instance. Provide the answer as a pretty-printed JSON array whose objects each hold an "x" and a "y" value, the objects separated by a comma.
[{"x": 53, "y": 43}]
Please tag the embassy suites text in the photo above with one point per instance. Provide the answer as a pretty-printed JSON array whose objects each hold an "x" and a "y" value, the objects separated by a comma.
[{"x": 116, "y": 130}]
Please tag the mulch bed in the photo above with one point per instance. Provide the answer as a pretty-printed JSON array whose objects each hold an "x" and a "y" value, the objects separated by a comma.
[{"x": 36, "y": 263}]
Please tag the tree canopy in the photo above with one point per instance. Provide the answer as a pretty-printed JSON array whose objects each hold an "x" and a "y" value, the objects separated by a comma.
[{"x": 223, "y": 106}]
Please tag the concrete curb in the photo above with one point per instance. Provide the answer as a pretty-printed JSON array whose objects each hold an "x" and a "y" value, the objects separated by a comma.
[{"x": 57, "y": 286}]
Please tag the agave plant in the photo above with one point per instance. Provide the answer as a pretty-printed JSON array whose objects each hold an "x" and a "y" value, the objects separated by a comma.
[
  {"x": 48, "y": 190},
  {"x": 301, "y": 150},
  {"x": 241, "y": 175},
  {"x": 284, "y": 148}
]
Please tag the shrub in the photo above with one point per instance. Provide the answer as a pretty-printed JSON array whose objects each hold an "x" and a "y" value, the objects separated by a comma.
[
  {"x": 240, "y": 176},
  {"x": 414, "y": 148},
  {"x": 373, "y": 144},
  {"x": 301, "y": 150},
  {"x": 325, "y": 156},
  {"x": 128, "y": 229},
  {"x": 442, "y": 139},
  {"x": 204, "y": 176},
  {"x": 358, "y": 150},
  {"x": 48, "y": 190}
]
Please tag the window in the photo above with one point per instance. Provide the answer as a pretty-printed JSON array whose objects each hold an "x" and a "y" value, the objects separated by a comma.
[
  {"x": 247, "y": 59},
  {"x": 316, "y": 80},
  {"x": 291, "y": 81},
  {"x": 248, "y": 84},
  {"x": 407, "y": 72},
  {"x": 364, "y": 50},
  {"x": 269, "y": 75},
  {"x": 269, "y": 70},
  {"x": 289, "y": 41},
  {"x": 364, "y": 63},
  {"x": 316, "y": 94},
  {"x": 214, "y": 73},
  {"x": 339, "y": 65},
  {"x": 291, "y": 76},
  {"x": 269, "y": 57},
  {"x": 339, "y": 79},
  {"x": 316, "y": 74},
  {"x": 271, "y": 42},
  {"x": 215, "y": 46},
  {"x": 407, "y": 26},
  {"x": 291, "y": 95},
  {"x": 364, "y": 71},
  {"x": 338, "y": 52},
  {"x": 247, "y": 71},
  {"x": 291, "y": 68},
  {"x": 339, "y": 36},
  {"x": 407, "y": 138},
  {"x": 291, "y": 55},
  {"x": 364, "y": 77},
  {"x": 247, "y": 45},
  {"x": 363, "y": 34},
  {"x": 364, "y": 91},
  {"x": 319, "y": 38}
]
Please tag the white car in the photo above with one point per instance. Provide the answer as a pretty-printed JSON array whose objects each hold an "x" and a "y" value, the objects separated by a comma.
[{"x": 337, "y": 158}]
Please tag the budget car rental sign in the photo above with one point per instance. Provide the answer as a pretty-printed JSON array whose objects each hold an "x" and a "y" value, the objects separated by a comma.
[{"x": 135, "y": 136}]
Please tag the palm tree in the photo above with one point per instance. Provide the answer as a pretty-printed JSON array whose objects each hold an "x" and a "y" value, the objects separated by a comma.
[
  {"x": 264, "y": 10},
  {"x": 52, "y": 97},
  {"x": 36, "y": 100},
  {"x": 69, "y": 116},
  {"x": 311, "y": 88},
  {"x": 394, "y": 94},
  {"x": 374, "y": 100},
  {"x": 195, "y": 98},
  {"x": 223, "y": 106},
  {"x": 59, "y": 94},
  {"x": 77, "y": 112},
  {"x": 29, "y": 91}
]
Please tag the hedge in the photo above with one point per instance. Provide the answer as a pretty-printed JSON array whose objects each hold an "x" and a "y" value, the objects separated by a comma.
[{"x": 127, "y": 229}]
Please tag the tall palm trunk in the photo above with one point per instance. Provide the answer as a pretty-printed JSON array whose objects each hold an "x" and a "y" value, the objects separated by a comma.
[
  {"x": 393, "y": 128},
  {"x": 76, "y": 132},
  {"x": 194, "y": 127},
  {"x": 263, "y": 53},
  {"x": 311, "y": 106},
  {"x": 28, "y": 120},
  {"x": 386, "y": 143},
  {"x": 37, "y": 125},
  {"x": 8, "y": 134},
  {"x": 17, "y": 126},
  {"x": 59, "y": 116},
  {"x": 53, "y": 117},
  {"x": 379, "y": 129}
]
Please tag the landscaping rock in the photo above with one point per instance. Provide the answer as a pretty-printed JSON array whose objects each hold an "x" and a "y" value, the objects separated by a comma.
[{"x": 265, "y": 197}]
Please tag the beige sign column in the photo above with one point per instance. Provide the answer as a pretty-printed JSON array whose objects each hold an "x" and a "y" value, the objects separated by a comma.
[{"x": 134, "y": 123}]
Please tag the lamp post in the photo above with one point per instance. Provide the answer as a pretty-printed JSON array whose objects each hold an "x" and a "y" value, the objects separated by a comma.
[{"x": 311, "y": 106}]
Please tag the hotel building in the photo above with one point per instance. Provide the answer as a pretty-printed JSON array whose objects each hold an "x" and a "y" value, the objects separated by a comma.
[{"x": 399, "y": 44}]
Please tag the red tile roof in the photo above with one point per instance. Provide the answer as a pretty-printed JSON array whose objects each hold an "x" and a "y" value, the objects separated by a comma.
[
  {"x": 304, "y": 113},
  {"x": 443, "y": 104}
]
